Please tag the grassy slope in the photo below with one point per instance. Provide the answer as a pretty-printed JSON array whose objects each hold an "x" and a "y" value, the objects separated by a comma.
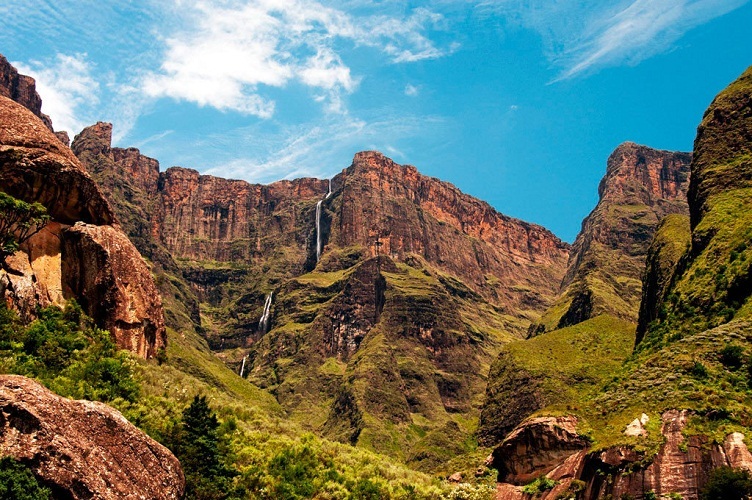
[{"x": 262, "y": 430}]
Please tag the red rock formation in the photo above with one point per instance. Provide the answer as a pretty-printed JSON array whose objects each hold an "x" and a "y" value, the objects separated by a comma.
[
  {"x": 210, "y": 218},
  {"x": 641, "y": 186},
  {"x": 104, "y": 270},
  {"x": 22, "y": 89},
  {"x": 36, "y": 167},
  {"x": 413, "y": 214},
  {"x": 550, "y": 446},
  {"x": 82, "y": 449}
]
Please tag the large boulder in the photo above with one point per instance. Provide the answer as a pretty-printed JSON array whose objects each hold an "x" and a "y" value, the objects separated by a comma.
[{"x": 82, "y": 449}]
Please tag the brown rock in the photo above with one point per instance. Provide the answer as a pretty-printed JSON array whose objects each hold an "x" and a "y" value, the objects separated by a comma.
[
  {"x": 104, "y": 270},
  {"x": 81, "y": 263},
  {"x": 641, "y": 186},
  {"x": 455, "y": 478},
  {"x": 537, "y": 447},
  {"x": 414, "y": 214},
  {"x": 22, "y": 89},
  {"x": 82, "y": 449},
  {"x": 62, "y": 136}
]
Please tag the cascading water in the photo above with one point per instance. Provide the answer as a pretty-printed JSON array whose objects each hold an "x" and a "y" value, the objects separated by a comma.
[
  {"x": 318, "y": 221},
  {"x": 318, "y": 230},
  {"x": 264, "y": 321},
  {"x": 242, "y": 366}
]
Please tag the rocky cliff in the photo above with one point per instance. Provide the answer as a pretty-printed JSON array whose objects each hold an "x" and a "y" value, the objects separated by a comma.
[
  {"x": 81, "y": 449},
  {"x": 641, "y": 186},
  {"x": 680, "y": 404},
  {"x": 22, "y": 89},
  {"x": 81, "y": 253},
  {"x": 416, "y": 285}
]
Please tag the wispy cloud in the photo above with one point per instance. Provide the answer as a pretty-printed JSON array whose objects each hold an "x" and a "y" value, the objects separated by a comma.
[
  {"x": 412, "y": 90},
  {"x": 227, "y": 53},
  {"x": 583, "y": 36},
  {"x": 70, "y": 92}
]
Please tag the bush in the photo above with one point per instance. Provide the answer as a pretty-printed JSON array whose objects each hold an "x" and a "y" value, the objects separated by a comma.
[
  {"x": 18, "y": 483},
  {"x": 67, "y": 353},
  {"x": 731, "y": 356},
  {"x": 727, "y": 483},
  {"x": 698, "y": 370},
  {"x": 540, "y": 485}
]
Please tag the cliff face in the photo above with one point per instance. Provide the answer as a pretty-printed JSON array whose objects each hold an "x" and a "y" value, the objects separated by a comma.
[
  {"x": 82, "y": 449},
  {"x": 22, "y": 89},
  {"x": 36, "y": 167},
  {"x": 641, "y": 186},
  {"x": 508, "y": 261},
  {"x": 420, "y": 317}
]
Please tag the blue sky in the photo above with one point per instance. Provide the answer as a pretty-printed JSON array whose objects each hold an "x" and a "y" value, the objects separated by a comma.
[{"x": 516, "y": 102}]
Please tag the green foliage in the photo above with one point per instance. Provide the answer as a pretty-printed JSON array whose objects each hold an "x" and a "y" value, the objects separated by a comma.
[
  {"x": 727, "y": 483},
  {"x": 651, "y": 495},
  {"x": 196, "y": 441},
  {"x": 731, "y": 356},
  {"x": 17, "y": 482},
  {"x": 67, "y": 353},
  {"x": 539, "y": 485},
  {"x": 19, "y": 221},
  {"x": 699, "y": 370}
]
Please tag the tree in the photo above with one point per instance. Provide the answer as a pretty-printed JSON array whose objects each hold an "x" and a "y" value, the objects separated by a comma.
[
  {"x": 198, "y": 448},
  {"x": 17, "y": 482},
  {"x": 19, "y": 221},
  {"x": 727, "y": 483}
]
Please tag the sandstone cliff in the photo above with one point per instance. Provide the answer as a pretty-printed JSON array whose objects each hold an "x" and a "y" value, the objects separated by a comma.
[
  {"x": 36, "y": 167},
  {"x": 641, "y": 186},
  {"x": 82, "y": 449},
  {"x": 22, "y": 89}
]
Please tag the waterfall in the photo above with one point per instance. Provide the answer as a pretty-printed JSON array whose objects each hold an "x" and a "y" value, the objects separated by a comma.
[
  {"x": 242, "y": 367},
  {"x": 263, "y": 326},
  {"x": 318, "y": 221},
  {"x": 318, "y": 230}
]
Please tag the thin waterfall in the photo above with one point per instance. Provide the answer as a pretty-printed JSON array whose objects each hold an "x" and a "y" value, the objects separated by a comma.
[
  {"x": 318, "y": 230},
  {"x": 242, "y": 366},
  {"x": 318, "y": 221},
  {"x": 264, "y": 321}
]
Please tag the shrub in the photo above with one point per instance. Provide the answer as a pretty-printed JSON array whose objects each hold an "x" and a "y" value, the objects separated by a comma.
[
  {"x": 539, "y": 485},
  {"x": 698, "y": 370},
  {"x": 727, "y": 483},
  {"x": 18, "y": 483},
  {"x": 19, "y": 221},
  {"x": 731, "y": 356}
]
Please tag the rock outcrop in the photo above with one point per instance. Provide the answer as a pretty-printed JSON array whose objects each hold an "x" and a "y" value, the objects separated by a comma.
[
  {"x": 550, "y": 446},
  {"x": 22, "y": 89},
  {"x": 641, "y": 186},
  {"x": 36, "y": 167},
  {"x": 82, "y": 449}
]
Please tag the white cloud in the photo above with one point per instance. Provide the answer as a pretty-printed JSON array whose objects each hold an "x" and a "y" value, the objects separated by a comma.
[
  {"x": 68, "y": 90},
  {"x": 411, "y": 90},
  {"x": 227, "y": 53},
  {"x": 582, "y": 36}
]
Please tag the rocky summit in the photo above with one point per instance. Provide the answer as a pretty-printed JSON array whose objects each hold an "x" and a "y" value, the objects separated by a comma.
[{"x": 379, "y": 334}]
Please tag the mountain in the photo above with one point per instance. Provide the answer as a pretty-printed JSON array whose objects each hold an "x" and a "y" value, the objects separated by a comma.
[
  {"x": 679, "y": 404},
  {"x": 416, "y": 287},
  {"x": 641, "y": 186}
]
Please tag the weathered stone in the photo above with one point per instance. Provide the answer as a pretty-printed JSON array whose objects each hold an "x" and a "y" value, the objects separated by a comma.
[
  {"x": 82, "y": 449},
  {"x": 103, "y": 269}
]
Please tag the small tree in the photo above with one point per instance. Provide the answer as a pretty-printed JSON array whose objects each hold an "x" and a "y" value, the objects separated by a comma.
[
  {"x": 726, "y": 483},
  {"x": 19, "y": 221}
]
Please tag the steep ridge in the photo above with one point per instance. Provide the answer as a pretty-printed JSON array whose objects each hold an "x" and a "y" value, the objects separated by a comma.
[
  {"x": 81, "y": 253},
  {"x": 680, "y": 405},
  {"x": 641, "y": 186},
  {"x": 416, "y": 281},
  {"x": 22, "y": 89}
]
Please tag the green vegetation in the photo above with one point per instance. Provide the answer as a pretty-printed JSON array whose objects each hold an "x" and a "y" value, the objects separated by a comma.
[
  {"x": 562, "y": 371},
  {"x": 17, "y": 482},
  {"x": 538, "y": 486},
  {"x": 726, "y": 483},
  {"x": 19, "y": 221},
  {"x": 66, "y": 352}
]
